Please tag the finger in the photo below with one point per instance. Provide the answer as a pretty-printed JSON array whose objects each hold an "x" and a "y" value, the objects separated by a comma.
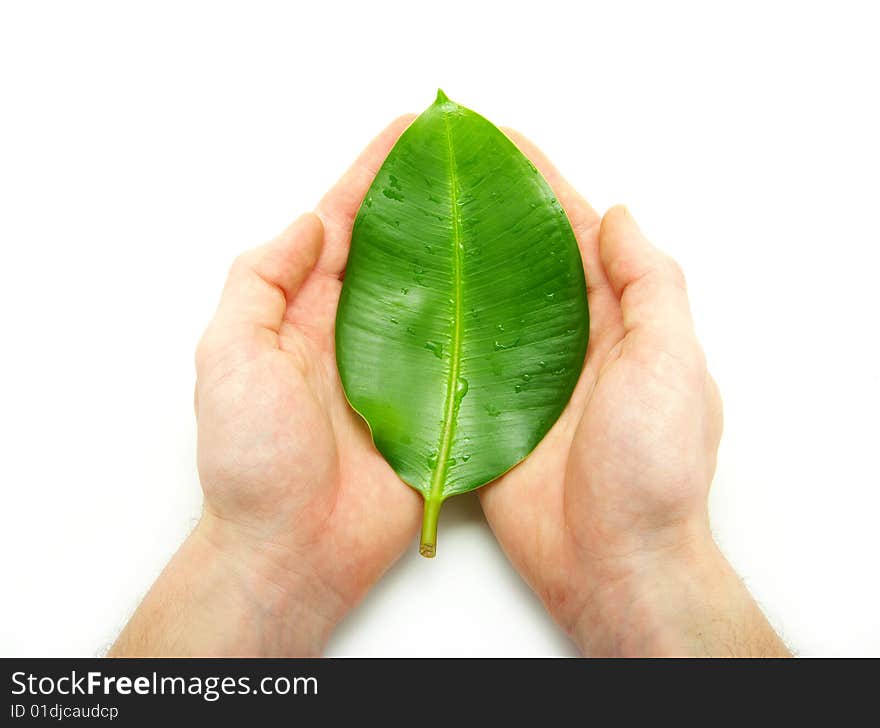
[
  {"x": 580, "y": 213},
  {"x": 604, "y": 307},
  {"x": 649, "y": 284},
  {"x": 339, "y": 207},
  {"x": 260, "y": 284},
  {"x": 583, "y": 218}
]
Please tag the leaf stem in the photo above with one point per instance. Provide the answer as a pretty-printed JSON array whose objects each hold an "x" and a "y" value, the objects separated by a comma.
[{"x": 428, "y": 542}]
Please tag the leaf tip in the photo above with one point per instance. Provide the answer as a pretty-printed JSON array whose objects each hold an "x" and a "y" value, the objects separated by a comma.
[{"x": 442, "y": 98}]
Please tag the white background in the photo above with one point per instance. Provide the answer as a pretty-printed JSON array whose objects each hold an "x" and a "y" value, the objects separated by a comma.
[{"x": 143, "y": 145}]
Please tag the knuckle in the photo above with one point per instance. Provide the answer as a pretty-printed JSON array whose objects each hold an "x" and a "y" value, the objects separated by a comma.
[
  {"x": 716, "y": 401},
  {"x": 241, "y": 264},
  {"x": 685, "y": 365},
  {"x": 698, "y": 357},
  {"x": 674, "y": 273},
  {"x": 204, "y": 347}
]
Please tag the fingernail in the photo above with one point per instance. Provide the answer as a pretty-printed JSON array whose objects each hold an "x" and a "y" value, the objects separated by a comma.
[{"x": 631, "y": 218}]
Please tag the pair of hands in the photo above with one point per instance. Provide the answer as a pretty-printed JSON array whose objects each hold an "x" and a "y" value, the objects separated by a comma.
[{"x": 606, "y": 520}]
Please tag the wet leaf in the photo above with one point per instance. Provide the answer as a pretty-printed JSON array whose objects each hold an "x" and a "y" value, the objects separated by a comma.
[{"x": 463, "y": 323}]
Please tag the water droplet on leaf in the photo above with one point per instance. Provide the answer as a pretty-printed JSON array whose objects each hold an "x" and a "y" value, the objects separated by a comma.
[{"x": 500, "y": 346}]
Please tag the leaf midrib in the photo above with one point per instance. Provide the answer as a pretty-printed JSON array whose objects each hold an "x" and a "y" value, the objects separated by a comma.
[{"x": 447, "y": 431}]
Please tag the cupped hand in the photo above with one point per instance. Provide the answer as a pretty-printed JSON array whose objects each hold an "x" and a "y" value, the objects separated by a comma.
[
  {"x": 616, "y": 493},
  {"x": 294, "y": 489}
]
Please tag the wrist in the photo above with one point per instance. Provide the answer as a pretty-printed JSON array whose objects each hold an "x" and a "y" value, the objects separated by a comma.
[
  {"x": 681, "y": 600},
  {"x": 650, "y": 601},
  {"x": 280, "y": 605},
  {"x": 224, "y": 594}
]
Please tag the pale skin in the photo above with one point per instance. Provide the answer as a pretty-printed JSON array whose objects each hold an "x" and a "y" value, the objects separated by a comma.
[{"x": 606, "y": 520}]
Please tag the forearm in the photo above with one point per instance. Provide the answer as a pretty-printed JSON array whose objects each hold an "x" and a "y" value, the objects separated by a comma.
[
  {"x": 690, "y": 603},
  {"x": 218, "y": 597}
]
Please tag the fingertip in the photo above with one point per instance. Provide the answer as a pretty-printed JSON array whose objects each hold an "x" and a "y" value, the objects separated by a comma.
[
  {"x": 518, "y": 138},
  {"x": 580, "y": 213},
  {"x": 648, "y": 283},
  {"x": 618, "y": 220},
  {"x": 623, "y": 249},
  {"x": 401, "y": 122},
  {"x": 618, "y": 211},
  {"x": 312, "y": 220},
  {"x": 286, "y": 260},
  {"x": 338, "y": 208},
  {"x": 307, "y": 233},
  {"x": 376, "y": 151}
]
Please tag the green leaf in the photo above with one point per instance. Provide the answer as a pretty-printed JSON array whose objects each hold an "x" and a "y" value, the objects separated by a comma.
[{"x": 463, "y": 323}]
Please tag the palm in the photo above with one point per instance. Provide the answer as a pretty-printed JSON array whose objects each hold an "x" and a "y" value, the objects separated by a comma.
[{"x": 363, "y": 515}]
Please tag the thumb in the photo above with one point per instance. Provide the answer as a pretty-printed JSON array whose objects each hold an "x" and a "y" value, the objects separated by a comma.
[
  {"x": 650, "y": 284},
  {"x": 261, "y": 284}
]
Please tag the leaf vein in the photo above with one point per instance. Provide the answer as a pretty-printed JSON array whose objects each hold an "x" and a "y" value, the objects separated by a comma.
[{"x": 447, "y": 432}]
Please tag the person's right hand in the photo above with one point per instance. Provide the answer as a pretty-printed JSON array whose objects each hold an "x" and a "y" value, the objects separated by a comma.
[
  {"x": 607, "y": 519},
  {"x": 301, "y": 513}
]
